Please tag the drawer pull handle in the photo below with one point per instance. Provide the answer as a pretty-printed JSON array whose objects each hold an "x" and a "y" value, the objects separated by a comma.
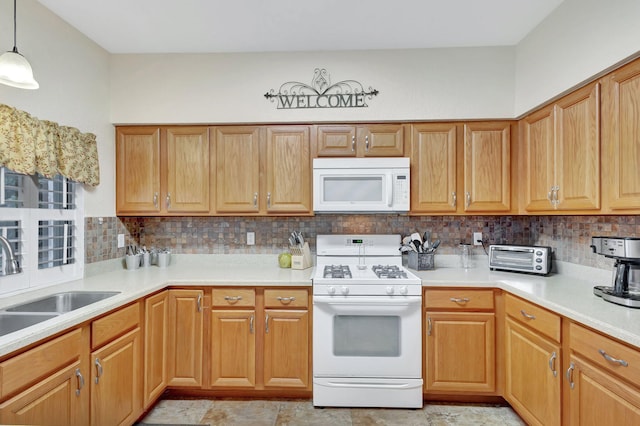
[
  {"x": 526, "y": 315},
  {"x": 552, "y": 364},
  {"x": 155, "y": 200},
  {"x": 266, "y": 324},
  {"x": 461, "y": 300},
  {"x": 286, "y": 300},
  {"x": 454, "y": 199},
  {"x": 429, "y": 326},
  {"x": 199, "y": 303},
  {"x": 232, "y": 299},
  {"x": 251, "y": 324},
  {"x": 569, "y": 375},
  {"x": 99, "y": 370},
  {"x": 168, "y": 200},
  {"x": 353, "y": 144},
  {"x": 609, "y": 358},
  {"x": 80, "y": 381}
]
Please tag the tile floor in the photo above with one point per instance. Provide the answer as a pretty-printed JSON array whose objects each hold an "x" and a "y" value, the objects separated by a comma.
[{"x": 302, "y": 412}]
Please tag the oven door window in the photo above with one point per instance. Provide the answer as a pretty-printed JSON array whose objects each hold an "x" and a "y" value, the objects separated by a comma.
[{"x": 366, "y": 336}]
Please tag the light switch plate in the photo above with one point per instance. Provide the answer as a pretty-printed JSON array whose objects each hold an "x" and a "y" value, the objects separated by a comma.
[
  {"x": 120, "y": 240},
  {"x": 251, "y": 238}
]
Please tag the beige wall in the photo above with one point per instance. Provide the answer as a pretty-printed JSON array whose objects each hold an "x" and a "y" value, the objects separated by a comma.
[
  {"x": 73, "y": 73},
  {"x": 421, "y": 84},
  {"x": 579, "y": 39}
]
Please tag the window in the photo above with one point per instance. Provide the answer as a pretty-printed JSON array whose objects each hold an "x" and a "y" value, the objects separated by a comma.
[{"x": 43, "y": 220}]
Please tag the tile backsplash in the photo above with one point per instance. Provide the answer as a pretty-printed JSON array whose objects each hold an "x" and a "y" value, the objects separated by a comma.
[{"x": 569, "y": 236}]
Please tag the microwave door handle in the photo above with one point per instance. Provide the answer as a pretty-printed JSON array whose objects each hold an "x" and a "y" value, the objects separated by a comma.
[{"x": 389, "y": 190}]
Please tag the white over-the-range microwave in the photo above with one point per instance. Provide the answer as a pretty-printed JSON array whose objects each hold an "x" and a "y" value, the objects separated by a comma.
[{"x": 357, "y": 185}]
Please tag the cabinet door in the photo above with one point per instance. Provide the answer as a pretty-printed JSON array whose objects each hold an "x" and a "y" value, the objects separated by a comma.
[
  {"x": 286, "y": 348},
  {"x": 60, "y": 399},
  {"x": 156, "y": 320},
  {"x": 433, "y": 168},
  {"x": 598, "y": 398},
  {"x": 138, "y": 170},
  {"x": 186, "y": 321},
  {"x": 532, "y": 381},
  {"x": 233, "y": 348},
  {"x": 487, "y": 167},
  {"x": 538, "y": 157},
  {"x": 621, "y": 133},
  {"x": 381, "y": 140},
  {"x": 237, "y": 169},
  {"x": 578, "y": 149},
  {"x": 116, "y": 379},
  {"x": 336, "y": 141},
  {"x": 460, "y": 351},
  {"x": 288, "y": 170},
  {"x": 187, "y": 170}
]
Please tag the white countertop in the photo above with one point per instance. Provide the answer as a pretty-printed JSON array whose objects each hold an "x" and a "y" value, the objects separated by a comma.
[{"x": 569, "y": 292}]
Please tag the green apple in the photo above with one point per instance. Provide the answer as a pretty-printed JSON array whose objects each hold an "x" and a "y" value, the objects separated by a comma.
[{"x": 284, "y": 259}]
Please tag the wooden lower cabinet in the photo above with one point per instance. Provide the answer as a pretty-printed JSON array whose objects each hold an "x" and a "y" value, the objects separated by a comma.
[
  {"x": 116, "y": 381},
  {"x": 156, "y": 320},
  {"x": 186, "y": 325},
  {"x": 533, "y": 382},
  {"x": 233, "y": 348},
  {"x": 286, "y": 348},
  {"x": 598, "y": 398},
  {"x": 61, "y": 399},
  {"x": 460, "y": 352}
]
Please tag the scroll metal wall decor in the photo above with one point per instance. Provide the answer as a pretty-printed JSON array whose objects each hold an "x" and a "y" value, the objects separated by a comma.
[{"x": 321, "y": 93}]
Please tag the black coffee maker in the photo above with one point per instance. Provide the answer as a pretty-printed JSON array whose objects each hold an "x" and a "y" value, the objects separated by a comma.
[{"x": 626, "y": 253}]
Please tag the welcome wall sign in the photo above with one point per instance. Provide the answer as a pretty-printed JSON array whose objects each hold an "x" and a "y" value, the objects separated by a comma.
[{"x": 321, "y": 93}]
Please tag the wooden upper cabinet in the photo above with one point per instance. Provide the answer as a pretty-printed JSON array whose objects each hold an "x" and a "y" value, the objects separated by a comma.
[
  {"x": 138, "y": 170},
  {"x": 433, "y": 167},
  {"x": 237, "y": 168},
  {"x": 162, "y": 171},
  {"x": 371, "y": 140},
  {"x": 578, "y": 149},
  {"x": 538, "y": 156},
  {"x": 381, "y": 140},
  {"x": 187, "y": 169},
  {"x": 336, "y": 141},
  {"x": 561, "y": 155},
  {"x": 288, "y": 170},
  {"x": 621, "y": 137},
  {"x": 487, "y": 167}
]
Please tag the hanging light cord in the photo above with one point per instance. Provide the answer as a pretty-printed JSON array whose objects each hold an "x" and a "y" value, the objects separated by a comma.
[{"x": 15, "y": 49}]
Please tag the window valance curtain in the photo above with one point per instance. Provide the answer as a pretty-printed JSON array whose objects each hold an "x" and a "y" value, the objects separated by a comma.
[{"x": 29, "y": 146}]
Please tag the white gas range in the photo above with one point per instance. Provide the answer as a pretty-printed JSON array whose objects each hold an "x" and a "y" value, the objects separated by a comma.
[{"x": 367, "y": 339}]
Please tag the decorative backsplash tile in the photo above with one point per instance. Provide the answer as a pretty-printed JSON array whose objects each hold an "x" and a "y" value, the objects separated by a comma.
[{"x": 570, "y": 236}]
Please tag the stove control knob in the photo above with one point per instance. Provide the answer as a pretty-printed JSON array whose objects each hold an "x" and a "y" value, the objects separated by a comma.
[
  {"x": 404, "y": 290},
  {"x": 331, "y": 290},
  {"x": 344, "y": 290},
  {"x": 389, "y": 290}
]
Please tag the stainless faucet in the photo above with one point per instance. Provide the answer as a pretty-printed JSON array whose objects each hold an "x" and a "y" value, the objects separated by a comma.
[{"x": 13, "y": 266}]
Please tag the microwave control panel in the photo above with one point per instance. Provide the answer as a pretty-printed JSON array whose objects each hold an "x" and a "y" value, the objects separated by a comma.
[{"x": 400, "y": 188}]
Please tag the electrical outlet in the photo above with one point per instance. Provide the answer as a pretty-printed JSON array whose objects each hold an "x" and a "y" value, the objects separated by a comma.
[
  {"x": 477, "y": 238},
  {"x": 120, "y": 240},
  {"x": 251, "y": 238}
]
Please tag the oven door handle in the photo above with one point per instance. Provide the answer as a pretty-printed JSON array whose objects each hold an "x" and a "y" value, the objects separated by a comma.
[
  {"x": 369, "y": 385},
  {"x": 368, "y": 301}
]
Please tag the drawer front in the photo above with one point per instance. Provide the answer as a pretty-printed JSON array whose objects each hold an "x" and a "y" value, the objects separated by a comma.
[
  {"x": 454, "y": 298},
  {"x": 533, "y": 316},
  {"x": 24, "y": 369},
  {"x": 233, "y": 296},
  {"x": 613, "y": 356},
  {"x": 282, "y": 298},
  {"x": 113, "y": 325}
]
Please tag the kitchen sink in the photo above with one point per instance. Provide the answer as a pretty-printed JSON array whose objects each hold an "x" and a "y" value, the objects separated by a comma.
[
  {"x": 10, "y": 322},
  {"x": 60, "y": 303}
]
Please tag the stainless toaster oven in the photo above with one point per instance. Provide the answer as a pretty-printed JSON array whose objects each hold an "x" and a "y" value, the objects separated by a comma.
[{"x": 531, "y": 259}]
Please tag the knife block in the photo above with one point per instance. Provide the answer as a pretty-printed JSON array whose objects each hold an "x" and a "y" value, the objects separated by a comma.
[{"x": 301, "y": 257}]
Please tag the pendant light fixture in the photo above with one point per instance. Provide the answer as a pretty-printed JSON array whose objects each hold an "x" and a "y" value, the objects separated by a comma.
[{"x": 15, "y": 70}]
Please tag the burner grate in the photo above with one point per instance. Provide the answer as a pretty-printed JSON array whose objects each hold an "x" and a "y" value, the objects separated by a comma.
[
  {"x": 389, "y": 271},
  {"x": 336, "y": 271}
]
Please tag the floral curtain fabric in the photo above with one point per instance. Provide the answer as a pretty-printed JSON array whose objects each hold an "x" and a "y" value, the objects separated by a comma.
[{"x": 29, "y": 146}]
